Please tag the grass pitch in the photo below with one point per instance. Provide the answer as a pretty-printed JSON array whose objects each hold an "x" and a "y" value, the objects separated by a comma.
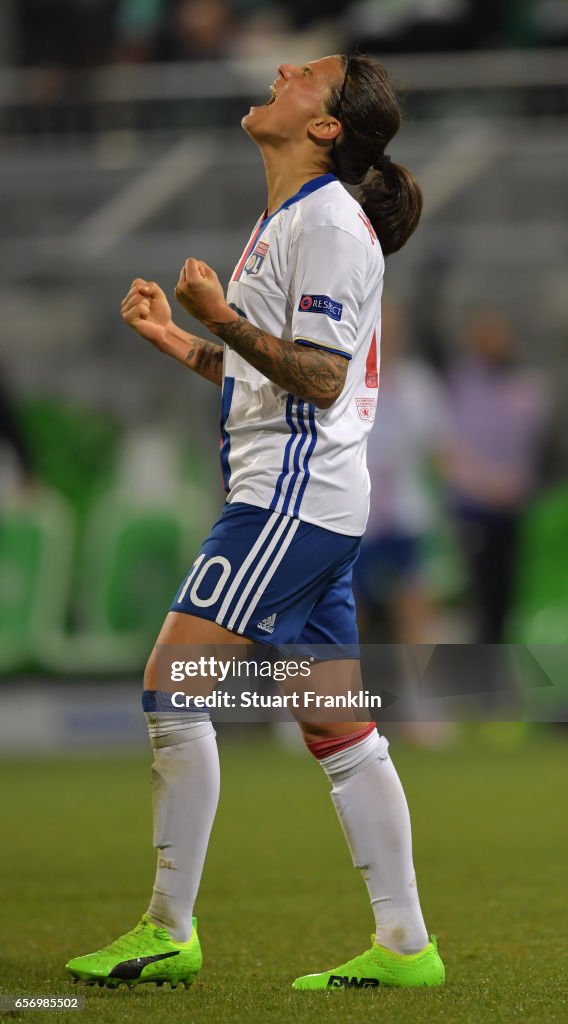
[{"x": 280, "y": 897}]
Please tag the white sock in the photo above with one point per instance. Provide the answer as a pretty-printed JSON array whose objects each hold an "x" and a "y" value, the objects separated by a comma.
[
  {"x": 371, "y": 805},
  {"x": 185, "y": 793}
]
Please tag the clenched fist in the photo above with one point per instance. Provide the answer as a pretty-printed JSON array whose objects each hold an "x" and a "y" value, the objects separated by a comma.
[
  {"x": 200, "y": 293},
  {"x": 146, "y": 309}
]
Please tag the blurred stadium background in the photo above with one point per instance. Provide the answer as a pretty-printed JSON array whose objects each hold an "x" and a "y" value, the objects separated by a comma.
[{"x": 122, "y": 155}]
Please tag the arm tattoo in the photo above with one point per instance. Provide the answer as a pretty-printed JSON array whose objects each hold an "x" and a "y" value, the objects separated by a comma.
[
  {"x": 311, "y": 373},
  {"x": 206, "y": 359}
]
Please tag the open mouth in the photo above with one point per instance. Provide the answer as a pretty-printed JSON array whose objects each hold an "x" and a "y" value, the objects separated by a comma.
[
  {"x": 273, "y": 96},
  {"x": 271, "y": 99}
]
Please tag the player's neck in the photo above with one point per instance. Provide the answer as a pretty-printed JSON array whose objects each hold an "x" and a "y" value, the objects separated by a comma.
[{"x": 285, "y": 177}]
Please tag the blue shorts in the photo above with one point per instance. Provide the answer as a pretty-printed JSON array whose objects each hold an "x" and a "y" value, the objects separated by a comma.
[{"x": 273, "y": 579}]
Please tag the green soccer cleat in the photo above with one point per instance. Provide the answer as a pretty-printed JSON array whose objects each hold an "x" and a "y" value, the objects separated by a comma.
[
  {"x": 147, "y": 953},
  {"x": 380, "y": 966}
]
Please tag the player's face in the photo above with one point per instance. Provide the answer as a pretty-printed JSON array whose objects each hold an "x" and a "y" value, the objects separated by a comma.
[{"x": 297, "y": 105}]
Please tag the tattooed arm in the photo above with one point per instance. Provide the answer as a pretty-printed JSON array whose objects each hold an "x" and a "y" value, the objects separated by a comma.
[
  {"x": 204, "y": 357},
  {"x": 312, "y": 374},
  {"x": 146, "y": 309}
]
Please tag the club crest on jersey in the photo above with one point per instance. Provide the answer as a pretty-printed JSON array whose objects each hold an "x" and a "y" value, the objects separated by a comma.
[
  {"x": 366, "y": 408},
  {"x": 254, "y": 263},
  {"x": 321, "y": 304}
]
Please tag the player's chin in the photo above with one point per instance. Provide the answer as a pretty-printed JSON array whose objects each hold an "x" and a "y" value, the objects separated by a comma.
[{"x": 249, "y": 120}]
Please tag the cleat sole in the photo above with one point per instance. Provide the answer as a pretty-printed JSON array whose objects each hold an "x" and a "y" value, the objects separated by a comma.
[{"x": 114, "y": 983}]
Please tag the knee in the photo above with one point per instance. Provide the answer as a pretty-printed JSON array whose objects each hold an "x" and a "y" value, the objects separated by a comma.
[
  {"x": 333, "y": 735},
  {"x": 347, "y": 752}
]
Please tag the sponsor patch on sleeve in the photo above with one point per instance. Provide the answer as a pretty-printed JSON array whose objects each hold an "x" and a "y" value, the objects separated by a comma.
[
  {"x": 321, "y": 304},
  {"x": 366, "y": 408}
]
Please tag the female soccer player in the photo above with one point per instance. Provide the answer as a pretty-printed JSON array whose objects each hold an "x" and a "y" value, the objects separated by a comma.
[{"x": 299, "y": 378}]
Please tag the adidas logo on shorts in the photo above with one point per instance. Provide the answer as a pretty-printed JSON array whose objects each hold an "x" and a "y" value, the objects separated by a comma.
[{"x": 267, "y": 624}]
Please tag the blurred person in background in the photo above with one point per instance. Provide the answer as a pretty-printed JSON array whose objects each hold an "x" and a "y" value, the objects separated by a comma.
[
  {"x": 58, "y": 36},
  {"x": 500, "y": 413},
  {"x": 302, "y": 308},
  {"x": 411, "y": 433},
  {"x": 138, "y": 24},
  {"x": 196, "y": 30},
  {"x": 178, "y": 30}
]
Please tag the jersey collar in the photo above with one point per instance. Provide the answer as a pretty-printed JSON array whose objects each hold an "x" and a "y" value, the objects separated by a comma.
[
  {"x": 310, "y": 186},
  {"x": 262, "y": 224},
  {"x": 305, "y": 190}
]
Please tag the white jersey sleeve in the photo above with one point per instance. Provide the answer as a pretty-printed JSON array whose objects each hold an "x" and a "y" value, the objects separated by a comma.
[{"x": 328, "y": 289}]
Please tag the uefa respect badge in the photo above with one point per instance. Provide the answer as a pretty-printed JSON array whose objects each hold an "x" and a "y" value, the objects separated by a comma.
[{"x": 321, "y": 304}]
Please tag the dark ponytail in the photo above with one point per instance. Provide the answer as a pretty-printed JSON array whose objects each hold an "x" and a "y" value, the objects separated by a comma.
[{"x": 369, "y": 113}]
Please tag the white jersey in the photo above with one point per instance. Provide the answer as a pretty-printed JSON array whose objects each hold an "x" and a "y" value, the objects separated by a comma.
[{"x": 312, "y": 272}]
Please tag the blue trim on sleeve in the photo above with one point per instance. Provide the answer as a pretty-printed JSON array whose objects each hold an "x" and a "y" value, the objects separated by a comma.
[{"x": 322, "y": 348}]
